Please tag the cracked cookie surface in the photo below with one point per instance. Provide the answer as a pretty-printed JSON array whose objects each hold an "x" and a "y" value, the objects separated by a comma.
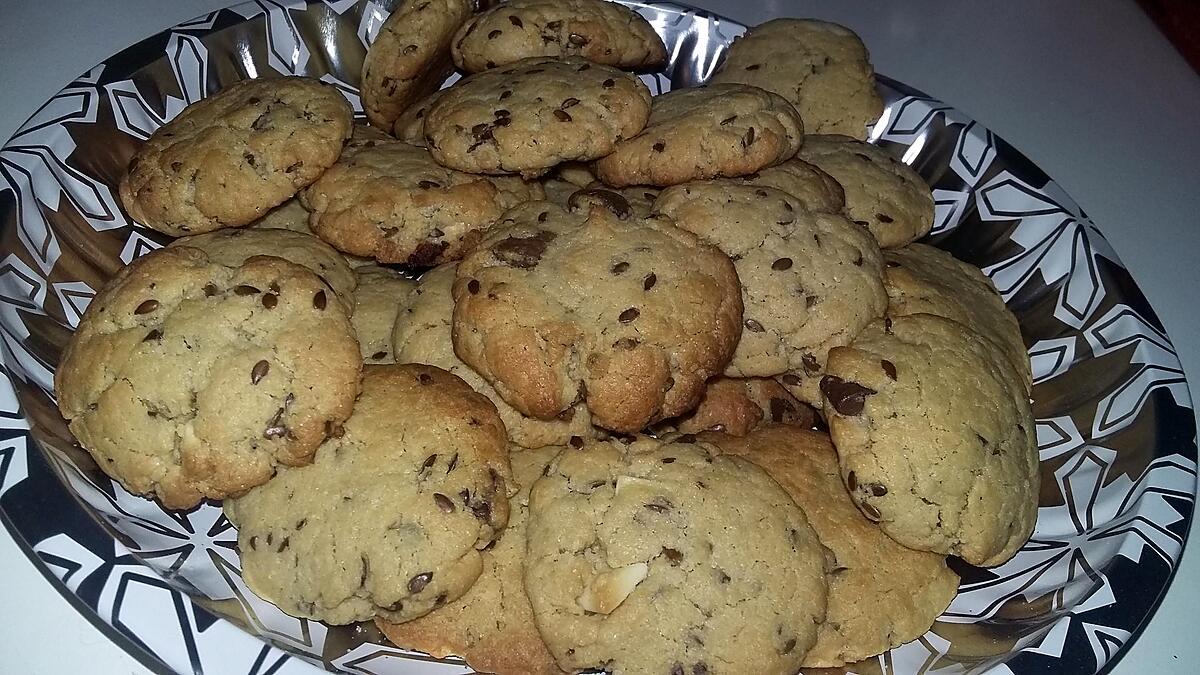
[
  {"x": 410, "y": 56},
  {"x": 822, "y": 68},
  {"x": 922, "y": 279},
  {"x": 935, "y": 437},
  {"x": 810, "y": 281},
  {"x": 390, "y": 517},
  {"x": 390, "y": 201},
  {"x": 189, "y": 379},
  {"x": 535, "y": 114},
  {"x": 716, "y": 131},
  {"x": 737, "y": 405},
  {"x": 599, "y": 31},
  {"x": 883, "y": 194},
  {"x": 491, "y": 626},
  {"x": 422, "y": 334},
  {"x": 669, "y": 557},
  {"x": 229, "y": 158},
  {"x": 628, "y": 315},
  {"x": 378, "y": 299},
  {"x": 234, "y": 247},
  {"x": 881, "y": 594}
]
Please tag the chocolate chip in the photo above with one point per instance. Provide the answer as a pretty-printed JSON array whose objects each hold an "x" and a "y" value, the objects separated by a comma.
[
  {"x": 628, "y": 315},
  {"x": 379, "y": 355},
  {"x": 516, "y": 21},
  {"x": 155, "y": 334},
  {"x": 649, "y": 281},
  {"x": 851, "y": 481},
  {"x": 244, "y": 289},
  {"x": 576, "y": 442},
  {"x": 870, "y": 511},
  {"x": 788, "y": 646},
  {"x": 562, "y": 115},
  {"x": 847, "y": 398},
  {"x": 259, "y": 371},
  {"x": 210, "y": 290},
  {"x": 473, "y": 287},
  {"x": 754, "y": 326},
  {"x": 270, "y": 300},
  {"x": 891, "y": 264},
  {"x": 877, "y": 489},
  {"x": 858, "y": 260},
  {"x": 443, "y": 502},
  {"x": 427, "y": 252},
  {"x": 408, "y": 50},
  {"x": 659, "y": 146},
  {"x": 419, "y": 582},
  {"x": 888, "y": 367},
  {"x": 577, "y": 39},
  {"x": 811, "y": 366},
  {"x": 501, "y": 113},
  {"x": 146, "y": 307},
  {"x": 453, "y": 463},
  {"x": 424, "y": 378},
  {"x": 728, "y": 120},
  {"x": 607, "y": 199},
  {"x": 319, "y": 300},
  {"x": 791, "y": 380},
  {"x": 667, "y": 460},
  {"x": 609, "y": 83},
  {"x": 782, "y": 264},
  {"x": 570, "y": 102},
  {"x": 523, "y": 252},
  {"x": 672, "y": 555},
  {"x": 686, "y": 438},
  {"x": 625, "y": 343},
  {"x": 494, "y": 34},
  {"x": 659, "y": 505},
  {"x": 810, "y": 301},
  {"x": 754, "y": 66},
  {"x": 748, "y": 139},
  {"x": 781, "y": 409},
  {"x": 294, "y": 167},
  {"x": 582, "y": 68},
  {"x": 505, "y": 94},
  {"x": 883, "y": 218},
  {"x": 428, "y": 184}
]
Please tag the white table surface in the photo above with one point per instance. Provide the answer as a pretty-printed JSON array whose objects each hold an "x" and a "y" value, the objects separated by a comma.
[{"x": 1088, "y": 89}]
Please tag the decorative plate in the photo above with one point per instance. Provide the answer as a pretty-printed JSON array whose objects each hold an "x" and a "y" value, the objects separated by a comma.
[{"x": 1114, "y": 418}]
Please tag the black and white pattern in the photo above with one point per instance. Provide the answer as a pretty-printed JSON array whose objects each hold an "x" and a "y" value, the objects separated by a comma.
[{"x": 1114, "y": 419}]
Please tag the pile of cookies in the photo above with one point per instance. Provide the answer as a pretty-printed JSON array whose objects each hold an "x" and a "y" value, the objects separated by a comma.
[{"x": 549, "y": 373}]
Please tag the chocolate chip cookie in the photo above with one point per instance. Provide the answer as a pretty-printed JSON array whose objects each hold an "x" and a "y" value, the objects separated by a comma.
[
  {"x": 189, "y": 379},
  {"x": 234, "y": 247},
  {"x": 883, "y": 194},
  {"x": 559, "y": 307},
  {"x": 378, "y": 299},
  {"x": 640, "y": 197},
  {"x": 881, "y": 594},
  {"x": 422, "y": 335},
  {"x": 810, "y": 281},
  {"x": 716, "y": 131},
  {"x": 491, "y": 626},
  {"x": 392, "y": 202},
  {"x": 599, "y": 31},
  {"x": 229, "y": 158},
  {"x": 737, "y": 405},
  {"x": 922, "y": 279},
  {"x": 390, "y": 517},
  {"x": 935, "y": 437},
  {"x": 669, "y": 557},
  {"x": 820, "y": 67},
  {"x": 410, "y": 56},
  {"x": 534, "y": 114}
]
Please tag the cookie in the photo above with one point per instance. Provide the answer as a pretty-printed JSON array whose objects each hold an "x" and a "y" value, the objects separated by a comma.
[
  {"x": 816, "y": 190},
  {"x": 599, "y": 31},
  {"x": 380, "y": 295},
  {"x": 234, "y": 247},
  {"x": 922, "y": 279},
  {"x": 290, "y": 215},
  {"x": 189, "y": 379},
  {"x": 557, "y": 307},
  {"x": 716, "y": 131},
  {"x": 881, "y": 594},
  {"x": 935, "y": 437},
  {"x": 392, "y": 202},
  {"x": 491, "y": 626},
  {"x": 535, "y": 114},
  {"x": 883, "y": 194},
  {"x": 422, "y": 335},
  {"x": 738, "y": 405},
  {"x": 410, "y": 56},
  {"x": 229, "y": 158},
  {"x": 821, "y": 68},
  {"x": 390, "y": 517},
  {"x": 810, "y": 281},
  {"x": 669, "y": 557},
  {"x": 410, "y": 125}
]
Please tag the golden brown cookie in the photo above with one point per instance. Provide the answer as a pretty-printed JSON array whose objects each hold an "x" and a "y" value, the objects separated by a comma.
[
  {"x": 599, "y": 31},
  {"x": 558, "y": 307},
  {"x": 410, "y": 56},
  {"x": 820, "y": 67},
  {"x": 390, "y": 517},
  {"x": 228, "y": 159},
  {"x": 716, "y": 131},
  {"x": 881, "y": 594},
  {"x": 491, "y": 626},
  {"x": 738, "y": 405},
  {"x": 189, "y": 379}
]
